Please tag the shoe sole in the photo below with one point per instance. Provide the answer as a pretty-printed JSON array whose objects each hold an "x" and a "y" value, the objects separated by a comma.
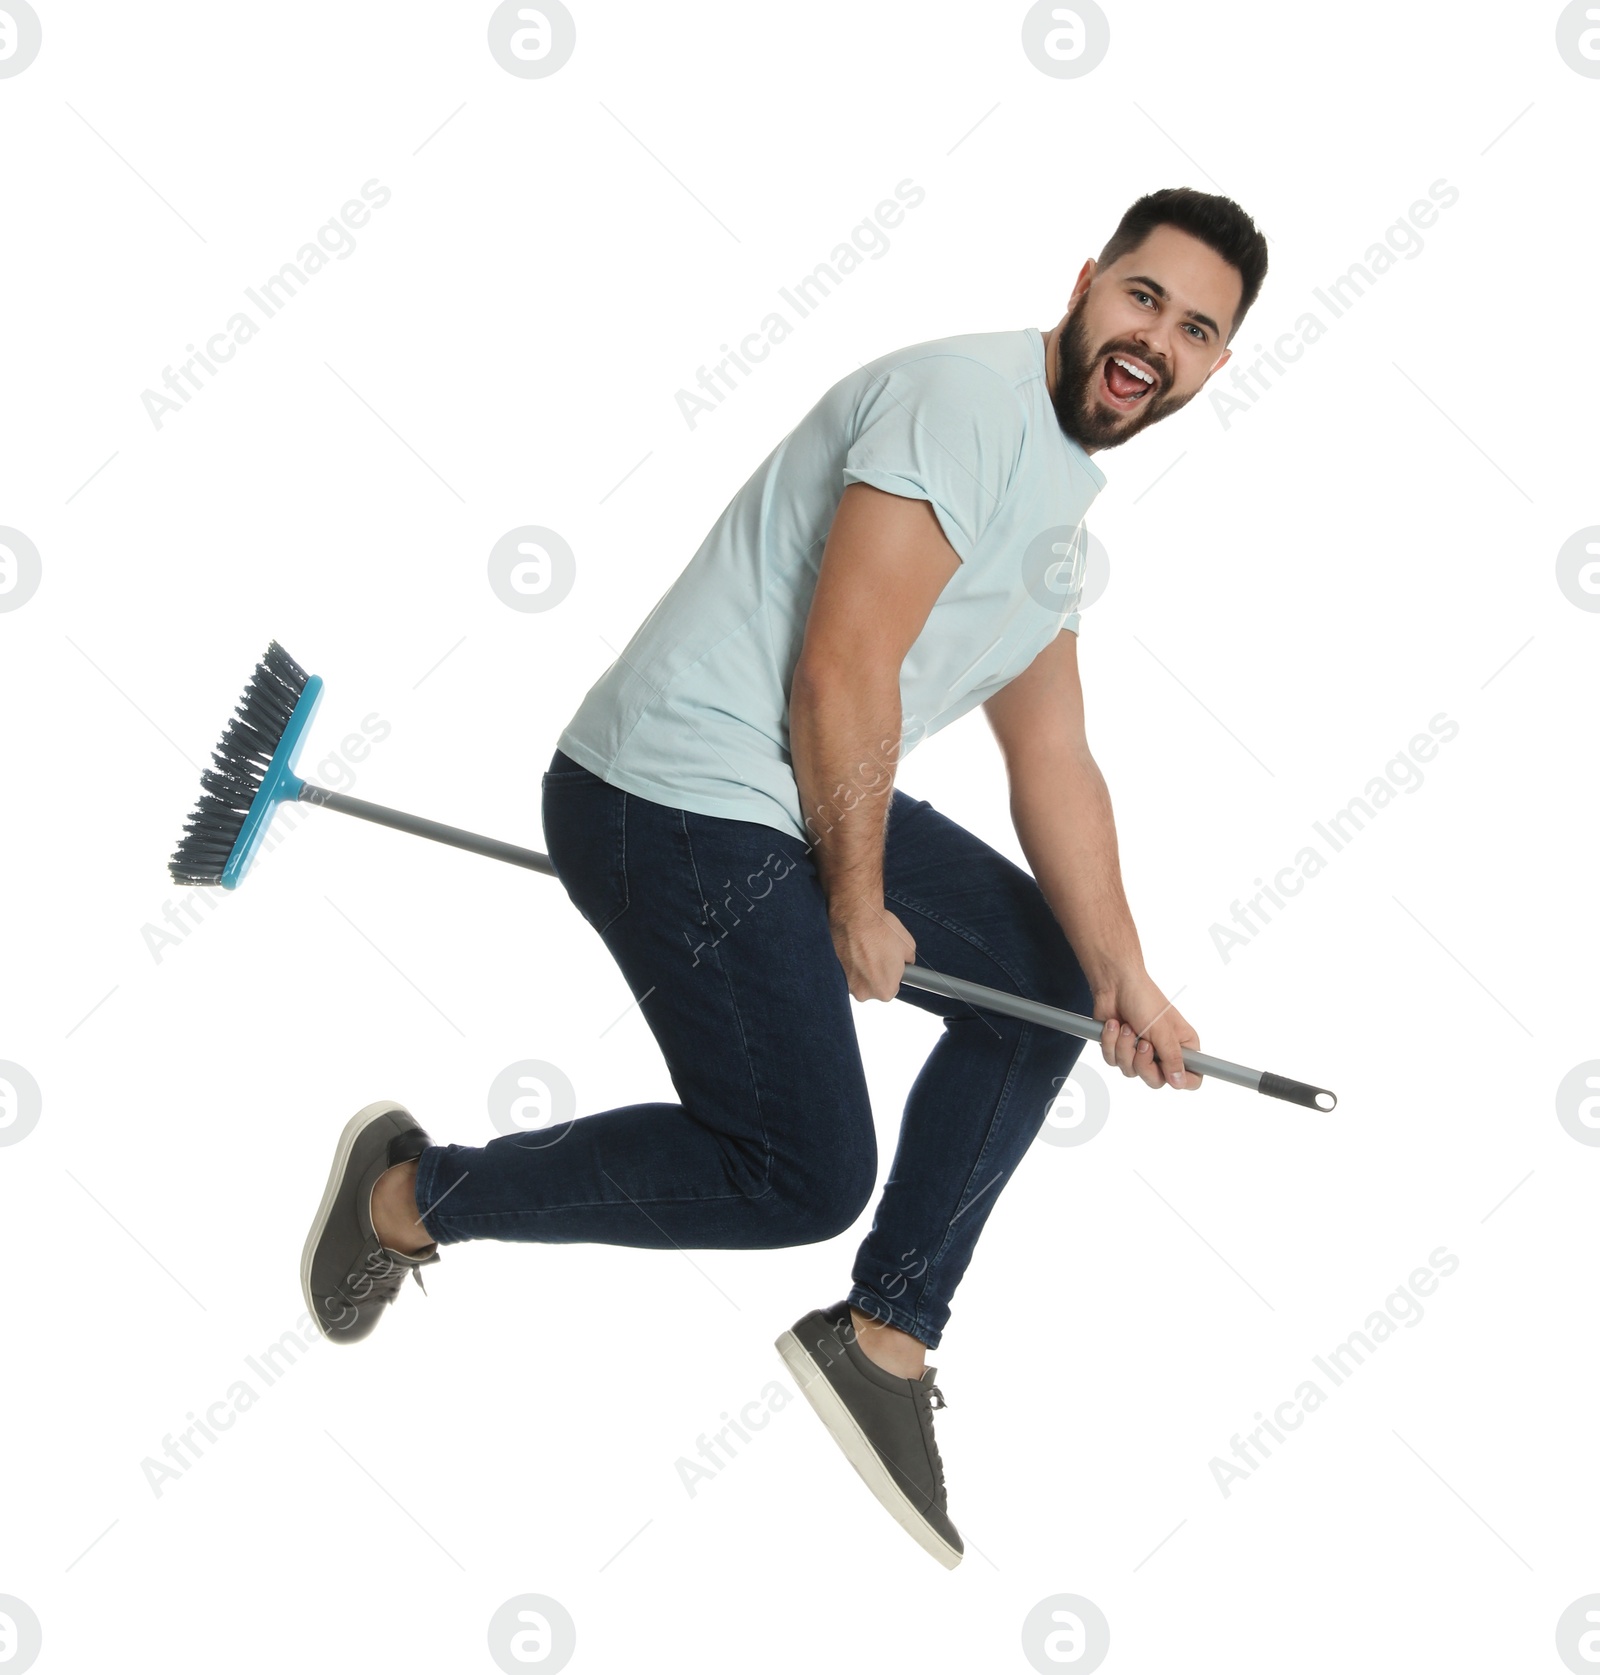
[
  {"x": 842, "y": 1427},
  {"x": 330, "y": 1193}
]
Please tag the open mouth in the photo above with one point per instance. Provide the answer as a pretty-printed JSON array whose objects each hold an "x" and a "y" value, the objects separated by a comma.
[{"x": 1126, "y": 382}]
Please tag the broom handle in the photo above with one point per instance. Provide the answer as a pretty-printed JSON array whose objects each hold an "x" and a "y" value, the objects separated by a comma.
[
  {"x": 919, "y": 977},
  {"x": 1074, "y": 1023},
  {"x": 494, "y": 848}
]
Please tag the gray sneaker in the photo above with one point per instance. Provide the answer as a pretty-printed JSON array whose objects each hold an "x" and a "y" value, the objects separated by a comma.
[
  {"x": 348, "y": 1276},
  {"x": 883, "y": 1423}
]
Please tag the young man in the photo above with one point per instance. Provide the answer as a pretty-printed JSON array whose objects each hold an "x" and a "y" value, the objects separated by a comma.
[{"x": 721, "y": 810}]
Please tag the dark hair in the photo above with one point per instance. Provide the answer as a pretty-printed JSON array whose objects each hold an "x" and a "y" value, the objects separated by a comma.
[{"x": 1216, "y": 221}]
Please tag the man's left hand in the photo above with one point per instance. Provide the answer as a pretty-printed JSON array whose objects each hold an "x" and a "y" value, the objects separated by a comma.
[{"x": 1145, "y": 1033}]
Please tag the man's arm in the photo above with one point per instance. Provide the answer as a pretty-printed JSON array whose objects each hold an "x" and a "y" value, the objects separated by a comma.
[
  {"x": 1061, "y": 810},
  {"x": 885, "y": 563}
]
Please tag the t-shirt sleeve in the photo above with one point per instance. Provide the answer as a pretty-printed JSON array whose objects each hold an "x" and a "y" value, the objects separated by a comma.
[{"x": 945, "y": 429}]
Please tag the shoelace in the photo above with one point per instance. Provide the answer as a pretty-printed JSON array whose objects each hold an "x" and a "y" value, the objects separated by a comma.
[
  {"x": 387, "y": 1273},
  {"x": 933, "y": 1397}
]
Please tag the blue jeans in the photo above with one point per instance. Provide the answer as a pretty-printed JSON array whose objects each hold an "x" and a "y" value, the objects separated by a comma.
[{"x": 720, "y": 928}]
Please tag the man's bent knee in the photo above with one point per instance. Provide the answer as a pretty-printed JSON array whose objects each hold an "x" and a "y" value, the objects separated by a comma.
[{"x": 822, "y": 1206}]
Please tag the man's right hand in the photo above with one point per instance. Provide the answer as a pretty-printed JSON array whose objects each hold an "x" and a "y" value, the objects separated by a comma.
[{"x": 874, "y": 948}]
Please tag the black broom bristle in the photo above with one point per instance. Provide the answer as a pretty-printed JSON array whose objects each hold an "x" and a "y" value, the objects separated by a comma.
[{"x": 229, "y": 787}]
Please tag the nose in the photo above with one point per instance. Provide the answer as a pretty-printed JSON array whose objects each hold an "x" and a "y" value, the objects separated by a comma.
[{"x": 1155, "y": 351}]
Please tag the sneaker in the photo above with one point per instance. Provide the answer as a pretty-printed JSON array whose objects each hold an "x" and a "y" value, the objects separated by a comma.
[
  {"x": 883, "y": 1423},
  {"x": 349, "y": 1277}
]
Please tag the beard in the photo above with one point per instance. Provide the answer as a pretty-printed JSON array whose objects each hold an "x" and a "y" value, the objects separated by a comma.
[{"x": 1079, "y": 410}]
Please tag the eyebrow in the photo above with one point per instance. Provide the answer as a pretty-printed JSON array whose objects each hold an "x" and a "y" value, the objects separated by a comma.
[{"x": 1160, "y": 291}]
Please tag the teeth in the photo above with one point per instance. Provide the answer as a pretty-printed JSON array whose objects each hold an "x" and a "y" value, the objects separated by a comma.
[{"x": 1133, "y": 369}]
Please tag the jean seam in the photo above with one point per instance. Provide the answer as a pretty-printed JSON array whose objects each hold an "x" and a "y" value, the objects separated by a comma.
[
  {"x": 622, "y": 865},
  {"x": 744, "y": 1043},
  {"x": 983, "y": 947},
  {"x": 1024, "y": 1040},
  {"x": 603, "y": 1204},
  {"x": 1018, "y": 1053}
]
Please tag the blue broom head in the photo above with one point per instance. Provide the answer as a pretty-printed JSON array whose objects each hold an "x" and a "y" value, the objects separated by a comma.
[{"x": 253, "y": 772}]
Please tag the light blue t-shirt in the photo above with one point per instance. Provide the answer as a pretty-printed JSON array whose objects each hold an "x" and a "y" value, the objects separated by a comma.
[{"x": 695, "y": 712}]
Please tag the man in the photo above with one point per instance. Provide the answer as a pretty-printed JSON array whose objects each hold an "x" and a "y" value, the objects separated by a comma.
[{"x": 721, "y": 810}]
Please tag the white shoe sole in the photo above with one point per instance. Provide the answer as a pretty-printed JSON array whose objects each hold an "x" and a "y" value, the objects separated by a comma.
[
  {"x": 341, "y": 1160},
  {"x": 844, "y": 1430}
]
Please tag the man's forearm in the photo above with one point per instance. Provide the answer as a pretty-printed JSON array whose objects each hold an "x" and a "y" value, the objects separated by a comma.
[
  {"x": 844, "y": 733},
  {"x": 1062, "y": 813}
]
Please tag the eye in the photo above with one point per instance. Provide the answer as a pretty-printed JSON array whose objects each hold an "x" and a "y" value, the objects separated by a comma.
[{"x": 1189, "y": 325}]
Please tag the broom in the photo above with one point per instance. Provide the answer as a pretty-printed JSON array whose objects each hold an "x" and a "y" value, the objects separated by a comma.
[{"x": 254, "y": 771}]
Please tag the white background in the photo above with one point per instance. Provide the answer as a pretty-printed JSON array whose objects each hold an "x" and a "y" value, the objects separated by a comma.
[{"x": 1300, "y": 592}]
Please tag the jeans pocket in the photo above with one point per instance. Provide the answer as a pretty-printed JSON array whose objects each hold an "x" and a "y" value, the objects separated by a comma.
[{"x": 585, "y": 834}]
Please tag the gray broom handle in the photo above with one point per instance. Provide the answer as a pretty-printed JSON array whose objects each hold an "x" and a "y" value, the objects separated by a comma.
[
  {"x": 919, "y": 977},
  {"x": 1074, "y": 1023},
  {"x": 494, "y": 848}
]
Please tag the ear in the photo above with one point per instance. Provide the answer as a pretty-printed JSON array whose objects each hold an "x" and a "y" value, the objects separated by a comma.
[
  {"x": 1222, "y": 361},
  {"x": 1080, "y": 288}
]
